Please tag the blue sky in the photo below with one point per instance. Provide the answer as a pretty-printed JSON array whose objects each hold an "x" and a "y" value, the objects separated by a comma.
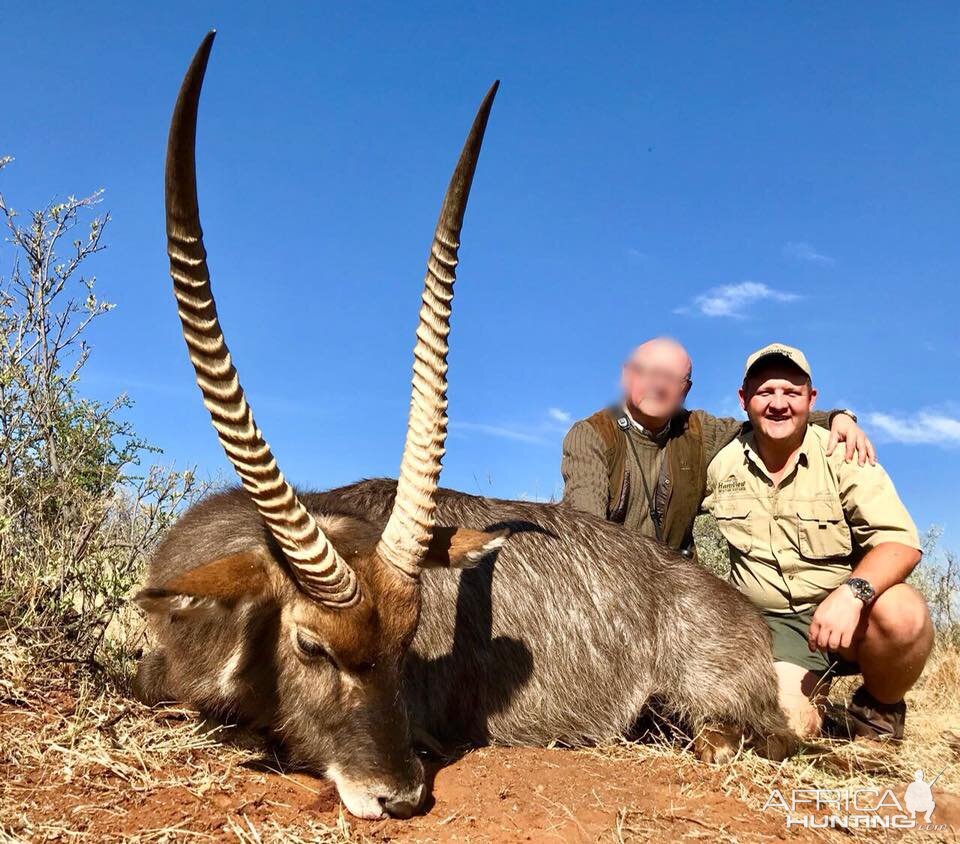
[{"x": 728, "y": 174}]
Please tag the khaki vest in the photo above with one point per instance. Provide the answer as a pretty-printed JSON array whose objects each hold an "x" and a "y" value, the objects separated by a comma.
[{"x": 682, "y": 482}]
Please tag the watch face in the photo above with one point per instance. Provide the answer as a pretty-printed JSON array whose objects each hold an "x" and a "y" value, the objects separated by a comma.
[{"x": 862, "y": 589}]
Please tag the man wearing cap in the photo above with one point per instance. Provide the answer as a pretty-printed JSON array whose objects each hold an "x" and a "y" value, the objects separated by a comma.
[
  {"x": 643, "y": 461},
  {"x": 822, "y": 546}
]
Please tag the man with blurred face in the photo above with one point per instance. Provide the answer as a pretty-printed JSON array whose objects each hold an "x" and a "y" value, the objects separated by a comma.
[
  {"x": 823, "y": 547},
  {"x": 642, "y": 462}
]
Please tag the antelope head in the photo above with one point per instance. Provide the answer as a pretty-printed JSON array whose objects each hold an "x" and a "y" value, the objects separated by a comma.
[{"x": 344, "y": 592}]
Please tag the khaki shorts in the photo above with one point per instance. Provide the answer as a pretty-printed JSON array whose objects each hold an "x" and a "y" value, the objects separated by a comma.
[{"x": 790, "y": 645}]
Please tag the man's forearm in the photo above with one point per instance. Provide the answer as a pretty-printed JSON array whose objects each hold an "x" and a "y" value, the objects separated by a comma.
[
  {"x": 886, "y": 565},
  {"x": 824, "y": 418}
]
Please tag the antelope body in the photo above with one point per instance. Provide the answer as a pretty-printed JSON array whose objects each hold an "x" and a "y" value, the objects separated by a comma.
[{"x": 353, "y": 622}]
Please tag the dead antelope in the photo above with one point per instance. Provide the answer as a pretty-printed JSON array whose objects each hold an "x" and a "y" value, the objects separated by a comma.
[{"x": 316, "y": 616}]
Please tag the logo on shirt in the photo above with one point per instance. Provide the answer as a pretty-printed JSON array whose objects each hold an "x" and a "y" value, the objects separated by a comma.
[{"x": 731, "y": 486}]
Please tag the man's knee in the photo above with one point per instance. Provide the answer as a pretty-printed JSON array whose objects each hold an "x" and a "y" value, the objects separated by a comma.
[
  {"x": 800, "y": 692},
  {"x": 900, "y": 616}
]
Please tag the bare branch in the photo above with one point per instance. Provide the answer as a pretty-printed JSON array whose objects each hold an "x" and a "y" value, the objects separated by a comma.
[{"x": 77, "y": 514}]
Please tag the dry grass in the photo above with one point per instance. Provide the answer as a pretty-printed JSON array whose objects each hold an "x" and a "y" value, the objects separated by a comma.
[
  {"x": 932, "y": 743},
  {"x": 80, "y": 761},
  {"x": 75, "y": 752}
]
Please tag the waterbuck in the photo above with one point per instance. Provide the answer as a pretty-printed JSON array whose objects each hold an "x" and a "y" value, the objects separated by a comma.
[{"x": 351, "y": 624}]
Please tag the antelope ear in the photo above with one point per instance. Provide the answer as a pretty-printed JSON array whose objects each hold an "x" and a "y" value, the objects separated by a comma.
[
  {"x": 221, "y": 582},
  {"x": 461, "y": 548}
]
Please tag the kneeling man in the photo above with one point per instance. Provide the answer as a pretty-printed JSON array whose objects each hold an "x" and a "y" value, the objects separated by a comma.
[{"x": 822, "y": 547}]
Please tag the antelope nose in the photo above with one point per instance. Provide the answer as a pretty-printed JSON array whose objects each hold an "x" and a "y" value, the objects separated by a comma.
[{"x": 403, "y": 805}]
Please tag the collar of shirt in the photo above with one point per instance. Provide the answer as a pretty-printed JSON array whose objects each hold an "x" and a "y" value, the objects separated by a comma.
[
  {"x": 751, "y": 455},
  {"x": 659, "y": 437}
]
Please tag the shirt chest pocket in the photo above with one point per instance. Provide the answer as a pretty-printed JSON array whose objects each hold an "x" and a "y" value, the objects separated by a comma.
[
  {"x": 823, "y": 531},
  {"x": 733, "y": 519}
]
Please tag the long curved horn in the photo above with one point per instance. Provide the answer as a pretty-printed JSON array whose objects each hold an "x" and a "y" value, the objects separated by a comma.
[
  {"x": 410, "y": 526},
  {"x": 315, "y": 564}
]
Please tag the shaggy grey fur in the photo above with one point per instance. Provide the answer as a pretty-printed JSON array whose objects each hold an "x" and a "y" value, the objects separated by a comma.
[{"x": 564, "y": 634}]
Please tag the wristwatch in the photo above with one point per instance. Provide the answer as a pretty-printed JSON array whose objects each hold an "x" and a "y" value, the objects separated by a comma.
[
  {"x": 862, "y": 589},
  {"x": 847, "y": 412}
]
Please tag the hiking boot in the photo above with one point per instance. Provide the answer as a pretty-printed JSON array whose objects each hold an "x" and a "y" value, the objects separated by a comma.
[{"x": 866, "y": 717}]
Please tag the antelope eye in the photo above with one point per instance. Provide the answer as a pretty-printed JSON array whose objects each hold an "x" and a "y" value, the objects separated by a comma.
[{"x": 310, "y": 647}]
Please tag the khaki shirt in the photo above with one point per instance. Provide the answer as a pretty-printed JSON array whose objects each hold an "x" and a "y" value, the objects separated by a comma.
[{"x": 793, "y": 544}]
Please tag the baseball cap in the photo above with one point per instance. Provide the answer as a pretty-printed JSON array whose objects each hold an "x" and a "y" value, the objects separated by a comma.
[{"x": 778, "y": 350}]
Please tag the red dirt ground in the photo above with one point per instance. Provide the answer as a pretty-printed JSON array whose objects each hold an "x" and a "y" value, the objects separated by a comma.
[{"x": 492, "y": 794}]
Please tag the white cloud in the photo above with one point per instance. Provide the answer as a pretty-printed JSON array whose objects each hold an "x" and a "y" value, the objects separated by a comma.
[
  {"x": 801, "y": 251},
  {"x": 730, "y": 300},
  {"x": 927, "y": 427},
  {"x": 544, "y": 431},
  {"x": 636, "y": 255},
  {"x": 504, "y": 432}
]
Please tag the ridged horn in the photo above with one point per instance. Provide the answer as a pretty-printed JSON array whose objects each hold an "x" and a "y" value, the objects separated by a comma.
[
  {"x": 410, "y": 526},
  {"x": 316, "y": 566}
]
